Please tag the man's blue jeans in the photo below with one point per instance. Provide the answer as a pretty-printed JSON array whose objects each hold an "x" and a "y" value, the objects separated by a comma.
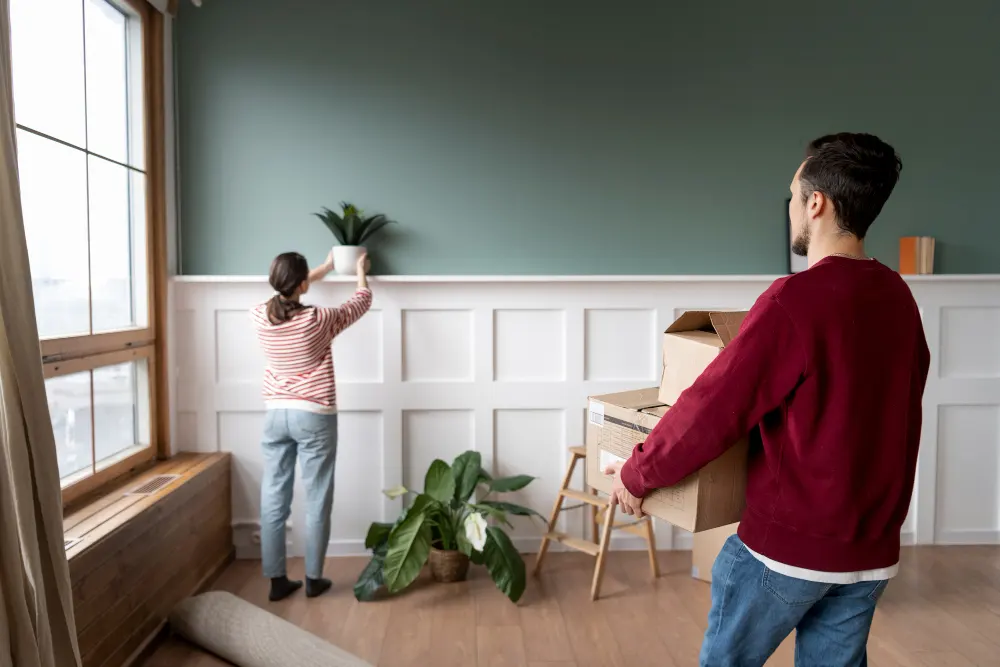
[
  {"x": 755, "y": 608},
  {"x": 313, "y": 439}
]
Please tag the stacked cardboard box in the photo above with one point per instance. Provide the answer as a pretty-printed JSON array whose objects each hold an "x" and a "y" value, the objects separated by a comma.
[{"x": 711, "y": 499}]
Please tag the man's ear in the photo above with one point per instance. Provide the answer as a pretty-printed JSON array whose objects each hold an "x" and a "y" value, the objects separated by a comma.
[{"x": 817, "y": 205}]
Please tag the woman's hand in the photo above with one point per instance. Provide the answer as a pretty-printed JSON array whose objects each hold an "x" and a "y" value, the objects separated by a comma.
[
  {"x": 363, "y": 266},
  {"x": 323, "y": 269}
]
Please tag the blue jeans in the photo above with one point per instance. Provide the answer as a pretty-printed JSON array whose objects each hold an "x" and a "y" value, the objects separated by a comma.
[
  {"x": 754, "y": 608},
  {"x": 313, "y": 439}
]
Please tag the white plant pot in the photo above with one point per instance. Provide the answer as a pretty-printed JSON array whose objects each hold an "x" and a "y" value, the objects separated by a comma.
[{"x": 345, "y": 259}]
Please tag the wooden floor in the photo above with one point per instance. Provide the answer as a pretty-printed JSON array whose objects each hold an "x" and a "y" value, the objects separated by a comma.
[{"x": 942, "y": 611}]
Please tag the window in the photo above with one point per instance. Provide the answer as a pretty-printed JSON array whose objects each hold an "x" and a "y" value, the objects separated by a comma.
[{"x": 83, "y": 136}]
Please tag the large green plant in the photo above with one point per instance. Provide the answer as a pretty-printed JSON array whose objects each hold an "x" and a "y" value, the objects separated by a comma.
[
  {"x": 352, "y": 227},
  {"x": 446, "y": 516}
]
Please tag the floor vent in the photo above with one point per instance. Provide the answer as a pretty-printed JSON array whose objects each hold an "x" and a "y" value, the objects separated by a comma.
[
  {"x": 70, "y": 542},
  {"x": 152, "y": 486}
]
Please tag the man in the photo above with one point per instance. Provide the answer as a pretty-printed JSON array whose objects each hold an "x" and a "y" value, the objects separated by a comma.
[{"x": 830, "y": 364}]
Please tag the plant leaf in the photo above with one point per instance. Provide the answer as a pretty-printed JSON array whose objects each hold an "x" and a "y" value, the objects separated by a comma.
[
  {"x": 396, "y": 491},
  {"x": 439, "y": 483},
  {"x": 370, "y": 580},
  {"x": 334, "y": 223},
  {"x": 504, "y": 484},
  {"x": 465, "y": 470},
  {"x": 484, "y": 476},
  {"x": 493, "y": 513},
  {"x": 349, "y": 219},
  {"x": 419, "y": 504},
  {"x": 378, "y": 533},
  {"x": 511, "y": 508},
  {"x": 375, "y": 224},
  {"x": 409, "y": 546},
  {"x": 349, "y": 234},
  {"x": 363, "y": 224},
  {"x": 504, "y": 564},
  {"x": 338, "y": 226}
]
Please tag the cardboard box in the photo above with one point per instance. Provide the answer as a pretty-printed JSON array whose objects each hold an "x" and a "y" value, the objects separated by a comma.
[
  {"x": 705, "y": 549},
  {"x": 690, "y": 344},
  {"x": 714, "y": 496}
]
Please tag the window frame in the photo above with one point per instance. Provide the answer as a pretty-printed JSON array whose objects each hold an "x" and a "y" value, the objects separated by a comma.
[
  {"x": 78, "y": 353},
  {"x": 136, "y": 460}
]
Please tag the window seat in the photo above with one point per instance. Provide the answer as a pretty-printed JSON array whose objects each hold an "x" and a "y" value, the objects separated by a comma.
[{"x": 135, "y": 552}]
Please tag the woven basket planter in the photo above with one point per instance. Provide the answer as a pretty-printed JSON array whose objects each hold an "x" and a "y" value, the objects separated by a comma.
[{"x": 448, "y": 566}]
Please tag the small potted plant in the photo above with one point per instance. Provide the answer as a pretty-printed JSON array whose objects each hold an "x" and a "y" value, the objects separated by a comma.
[
  {"x": 351, "y": 228},
  {"x": 447, "y": 528}
]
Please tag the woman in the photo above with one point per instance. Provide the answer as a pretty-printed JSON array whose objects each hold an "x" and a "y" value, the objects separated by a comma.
[{"x": 301, "y": 421}]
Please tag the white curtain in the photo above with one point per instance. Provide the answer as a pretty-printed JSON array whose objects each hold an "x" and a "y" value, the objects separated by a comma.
[{"x": 37, "y": 628}]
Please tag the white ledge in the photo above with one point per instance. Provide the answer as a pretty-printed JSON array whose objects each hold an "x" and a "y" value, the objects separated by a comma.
[{"x": 951, "y": 278}]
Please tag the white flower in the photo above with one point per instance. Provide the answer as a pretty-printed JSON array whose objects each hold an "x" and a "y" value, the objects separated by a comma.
[{"x": 475, "y": 530}]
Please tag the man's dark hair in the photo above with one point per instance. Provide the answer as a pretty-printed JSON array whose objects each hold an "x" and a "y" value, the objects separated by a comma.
[{"x": 856, "y": 172}]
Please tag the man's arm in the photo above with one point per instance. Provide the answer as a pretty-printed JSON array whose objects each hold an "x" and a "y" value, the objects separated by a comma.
[{"x": 749, "y": 378}]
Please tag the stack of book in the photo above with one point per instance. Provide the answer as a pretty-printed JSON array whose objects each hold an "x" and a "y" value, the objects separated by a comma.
[{"x": 916, "y": 255}]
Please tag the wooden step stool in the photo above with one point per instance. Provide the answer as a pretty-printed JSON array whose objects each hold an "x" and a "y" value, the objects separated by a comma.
[{"x": 601, "y": 512}]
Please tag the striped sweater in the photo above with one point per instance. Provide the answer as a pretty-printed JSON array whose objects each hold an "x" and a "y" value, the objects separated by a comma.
[{"x": 299, "y": 372}]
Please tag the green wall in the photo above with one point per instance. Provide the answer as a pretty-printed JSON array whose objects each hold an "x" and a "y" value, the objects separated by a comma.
[{"x": 569, "y": 137}]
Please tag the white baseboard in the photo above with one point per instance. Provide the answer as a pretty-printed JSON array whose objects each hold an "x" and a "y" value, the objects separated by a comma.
[
  {"x": 525, "y": 545},
  {"x": 247, "y": 548},
  {"x": 968, "y": 537}
]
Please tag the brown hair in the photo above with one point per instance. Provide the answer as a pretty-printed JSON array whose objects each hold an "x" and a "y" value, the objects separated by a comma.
[
  {"x": 288, "y": 271},
  {"x": 856, "y": 172}
]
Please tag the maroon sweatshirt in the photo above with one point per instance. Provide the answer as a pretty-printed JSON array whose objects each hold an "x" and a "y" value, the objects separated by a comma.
[{"x": 831, "y": 365}]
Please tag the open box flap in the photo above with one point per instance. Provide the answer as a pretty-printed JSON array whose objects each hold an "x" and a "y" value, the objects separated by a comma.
[
  {"x": 692, "y": 320},
  {"x": 727, "y": 325}
]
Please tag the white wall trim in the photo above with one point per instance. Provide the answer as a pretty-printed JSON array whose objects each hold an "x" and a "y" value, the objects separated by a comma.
[
  {"x": 968, "y": 537},
  {"x": 431, "y": 279},
  {"x": 503, "y": 364}
]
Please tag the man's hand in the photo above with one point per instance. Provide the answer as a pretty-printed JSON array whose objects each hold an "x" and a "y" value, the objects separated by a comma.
[{"x": 620, "y": 495}]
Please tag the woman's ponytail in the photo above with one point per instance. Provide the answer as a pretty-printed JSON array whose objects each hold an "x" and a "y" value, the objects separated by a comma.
[
  {"x": 281, "y": 309},
  {"x": 288, "y": 271}
]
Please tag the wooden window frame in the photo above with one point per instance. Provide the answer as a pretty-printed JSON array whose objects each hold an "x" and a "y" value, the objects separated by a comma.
[
  {"x": 133, "y": 460},
  {"x": 74, "y": 354}
]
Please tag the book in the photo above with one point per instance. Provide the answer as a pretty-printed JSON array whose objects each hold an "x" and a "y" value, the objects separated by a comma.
[{"x": 916, "y": 255}]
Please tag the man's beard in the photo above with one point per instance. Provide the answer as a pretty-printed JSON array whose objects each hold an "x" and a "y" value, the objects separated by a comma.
[{"x": 800, "y": 246}]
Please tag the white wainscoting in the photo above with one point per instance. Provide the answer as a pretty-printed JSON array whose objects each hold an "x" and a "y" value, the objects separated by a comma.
[{"x": 503, "y": 365}]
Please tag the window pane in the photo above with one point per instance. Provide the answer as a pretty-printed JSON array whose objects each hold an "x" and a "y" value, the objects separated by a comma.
[
  {"x": 47, "y": 48},
  {"x": 69, "y": 409},
  {"x": 121, "y": 423},
  {"x": 107, "y": 81},
  {"x": 54, "y": 200},
  {"x": 117, "y": 246},
  {"x": 136, "y": 93}
]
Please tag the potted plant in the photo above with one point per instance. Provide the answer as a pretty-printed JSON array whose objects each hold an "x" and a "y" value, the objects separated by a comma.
[
  {"x": 351, "y": 228},
  {"x": 448, "y": 528}
]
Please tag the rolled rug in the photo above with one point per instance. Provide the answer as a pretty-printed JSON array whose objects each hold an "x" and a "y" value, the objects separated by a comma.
[{"x": 248, "y": 636}]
